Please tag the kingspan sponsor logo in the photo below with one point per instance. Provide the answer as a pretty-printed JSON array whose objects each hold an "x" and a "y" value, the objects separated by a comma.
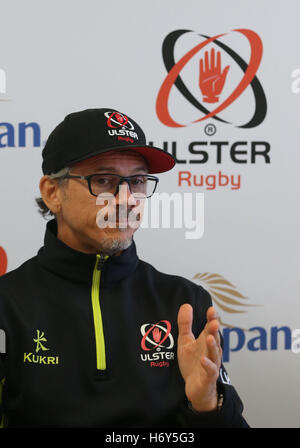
[
  {"x": 16, "y": 135},
  {"x": 34, "y": 357},
  {"x": 22, "y": 135},
  {"x": 229, "y": 300},
  {"x": 3, "y": 85}
]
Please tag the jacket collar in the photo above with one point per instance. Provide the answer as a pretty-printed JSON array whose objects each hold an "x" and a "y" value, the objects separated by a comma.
[{"x": 62, "y": 260}]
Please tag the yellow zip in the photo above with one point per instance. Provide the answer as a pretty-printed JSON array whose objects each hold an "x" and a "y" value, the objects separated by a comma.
[{"x": 99, "y": 334}]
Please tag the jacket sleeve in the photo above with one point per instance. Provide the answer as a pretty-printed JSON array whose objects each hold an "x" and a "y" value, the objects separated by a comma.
[
  {"x": 2, "y": 369},
  {"x": 229, "y": 414},
  {"x": 2, "y": 381}
]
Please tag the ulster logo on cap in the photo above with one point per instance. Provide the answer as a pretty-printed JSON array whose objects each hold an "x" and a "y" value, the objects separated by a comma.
[
  {"x": 120, "y": 126},
  {"x": 116, "y": 120}
]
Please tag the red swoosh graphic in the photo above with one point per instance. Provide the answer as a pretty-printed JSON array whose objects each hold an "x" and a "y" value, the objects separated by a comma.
[
  {"x": 164, "y": 92},
  {"x": 3, "y": 261},
  {"x": 143, "y": 345},
  {"x": 255, "y": 58}
]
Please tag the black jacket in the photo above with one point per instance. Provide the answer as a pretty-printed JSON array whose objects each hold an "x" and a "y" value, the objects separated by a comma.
[{"x": 92, "y": 343}]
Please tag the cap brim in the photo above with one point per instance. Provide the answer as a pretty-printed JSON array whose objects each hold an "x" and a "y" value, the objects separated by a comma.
[{"x": 159, "y": 161}]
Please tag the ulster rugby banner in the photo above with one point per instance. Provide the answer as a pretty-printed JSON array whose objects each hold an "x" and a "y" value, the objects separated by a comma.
[{"x": 216, "y": 85}]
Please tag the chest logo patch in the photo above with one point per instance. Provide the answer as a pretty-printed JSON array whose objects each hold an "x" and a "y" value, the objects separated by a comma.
[
  {"x": 40, "y": 344},
  {"x": 157, "y": 342}
]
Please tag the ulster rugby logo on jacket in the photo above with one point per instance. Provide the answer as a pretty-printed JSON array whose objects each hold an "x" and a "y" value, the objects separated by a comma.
[{"x": 156, "y": 343}]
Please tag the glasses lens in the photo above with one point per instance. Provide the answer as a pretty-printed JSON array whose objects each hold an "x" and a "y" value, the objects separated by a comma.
[
  {"x": 103, "y": 183},
  {"x": 107, "y": 183},
  {"x": 142, "y": 185}
]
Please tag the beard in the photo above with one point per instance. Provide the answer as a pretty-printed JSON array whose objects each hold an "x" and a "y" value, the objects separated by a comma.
[
  {"x": 121, "y": 217},
  {"x": 112, "y": 245},
  {"x": 119, "y": 223}
]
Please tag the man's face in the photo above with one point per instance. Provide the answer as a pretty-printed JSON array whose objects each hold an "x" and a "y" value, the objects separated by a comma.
[{"x": 77, "y": 226}]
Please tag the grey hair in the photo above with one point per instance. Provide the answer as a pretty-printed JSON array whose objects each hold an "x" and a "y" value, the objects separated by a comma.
[{"x": 59, "y": 176}]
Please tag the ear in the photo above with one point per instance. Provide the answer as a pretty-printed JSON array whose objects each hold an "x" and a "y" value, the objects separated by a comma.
[{"x": 51, "y": 194}]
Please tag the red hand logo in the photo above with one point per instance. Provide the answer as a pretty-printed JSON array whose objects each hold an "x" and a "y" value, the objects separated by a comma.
[
  {"x": 120, "y": 118},
  {"x": 212, "y": 80},
  {"x": 3, "y": 261},
  {"x": 115, "y": 120},
  {"x": 156, "y": 335}
]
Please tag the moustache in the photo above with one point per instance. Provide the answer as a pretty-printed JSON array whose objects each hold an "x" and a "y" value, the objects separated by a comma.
[{"x": 118, "y": 216}]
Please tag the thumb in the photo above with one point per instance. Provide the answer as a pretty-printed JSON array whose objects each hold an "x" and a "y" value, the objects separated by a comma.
[
  {"x": 185, "y": 320},
  {"x": 225, "y": 71}
]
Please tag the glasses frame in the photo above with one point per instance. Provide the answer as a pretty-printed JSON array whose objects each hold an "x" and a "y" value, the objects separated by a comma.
[{"x": 121, "y": 179}]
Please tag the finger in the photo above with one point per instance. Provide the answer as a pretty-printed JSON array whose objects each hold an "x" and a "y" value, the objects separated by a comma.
[
  {"x": 225, "y": 71},
  {"x": 185, "y": 320},
  {"x": 217, "y": 338},
  {"x": 211, "y": 314},
  {"x": 206, "y": 61},
  {"x": 210, "y": 368},
  {"x": 213, "y": 330},
  {"x": 212, "y": 324},
  {"x": 212, "y": 58},
  {"x": 213, "y": 350},
  {"x": 201, "y": 68},
  {"x": 212, "y": 327},
  {"x": 219, "y": 62}
]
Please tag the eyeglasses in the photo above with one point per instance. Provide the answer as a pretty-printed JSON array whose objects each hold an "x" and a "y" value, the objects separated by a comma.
[{"x": 109, "y": 183}]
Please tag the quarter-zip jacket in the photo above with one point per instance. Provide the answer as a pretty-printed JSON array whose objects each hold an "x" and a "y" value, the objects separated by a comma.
[{"x": 91, "y": 341}]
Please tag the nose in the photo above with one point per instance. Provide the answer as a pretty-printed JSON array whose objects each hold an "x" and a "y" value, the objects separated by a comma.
[{"x": 124, "y": 195}]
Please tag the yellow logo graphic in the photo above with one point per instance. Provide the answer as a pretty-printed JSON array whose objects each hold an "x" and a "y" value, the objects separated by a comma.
[
  {"x": 39, "y": 359},
  {"x": 223, "y": 293},
  {"x": 40, "y": 337}
]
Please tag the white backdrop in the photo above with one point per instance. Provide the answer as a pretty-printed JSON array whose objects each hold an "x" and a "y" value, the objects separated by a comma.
[{"x": 62, "y": 56}]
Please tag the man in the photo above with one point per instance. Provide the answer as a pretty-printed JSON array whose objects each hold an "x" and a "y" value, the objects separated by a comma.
[{"x": 95, "y": 337}]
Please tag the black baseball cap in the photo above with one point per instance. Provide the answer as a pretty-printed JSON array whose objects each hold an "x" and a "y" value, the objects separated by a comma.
[{"x": 90, "y": 132}]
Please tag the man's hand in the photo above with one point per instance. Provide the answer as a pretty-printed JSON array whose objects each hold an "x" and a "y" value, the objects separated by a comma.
[{"x": 199, "y": 359}]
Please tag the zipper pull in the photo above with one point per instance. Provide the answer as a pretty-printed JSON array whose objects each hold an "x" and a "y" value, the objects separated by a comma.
[{"x": 101, "y": 260}]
